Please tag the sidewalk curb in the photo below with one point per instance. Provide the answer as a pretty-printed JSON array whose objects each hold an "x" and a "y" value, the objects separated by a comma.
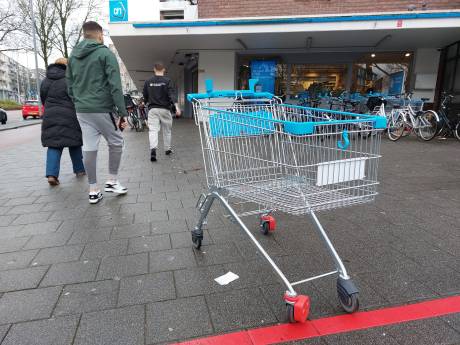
[{"x": 19, "y": 126}]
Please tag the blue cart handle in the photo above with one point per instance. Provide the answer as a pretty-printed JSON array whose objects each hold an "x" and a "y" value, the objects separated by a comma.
[{"x": 210, "y": 93}]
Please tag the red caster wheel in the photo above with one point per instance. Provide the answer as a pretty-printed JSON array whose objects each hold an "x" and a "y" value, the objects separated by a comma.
[
  {"x": 267, "y": 224},
  {"x": 298, "y": 308}
]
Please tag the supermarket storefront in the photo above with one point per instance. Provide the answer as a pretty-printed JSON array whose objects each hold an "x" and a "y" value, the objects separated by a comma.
[{"x": 383, "y": 53}]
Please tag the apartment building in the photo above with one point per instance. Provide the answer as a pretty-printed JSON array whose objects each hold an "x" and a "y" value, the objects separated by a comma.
[
  {"x": 17, "y": 82},
  {"x": 294, "y": 45}
]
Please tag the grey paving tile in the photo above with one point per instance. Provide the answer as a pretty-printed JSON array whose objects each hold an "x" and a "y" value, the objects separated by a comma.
[
  {"x": 71, "y": 272},
  {"x": 217, "y": 254},
  {"x": 104, "y": 249},
  {"x": 122, "y": 266},
  {"x": 87, "y": 297},
  {"x": 431, "y": 331},
  {"x": 7, "y": 220},
  {"x": 149, "y": 243},
  {"x": 3, "y": 330},
  {"x": 150, "y": 216},
  {"x": 28, "y": 304},
  {"x": 123, "y": 326},
  {"x": 48, "y": 240},
  {"x": 55, "y": 331},
  {"x": 14, "y": 260},
  {"x": 31, "y": 218},
  {"x": 70, "y": 213},
  {"x": 169, "y": 227},
  {"x": 146, "y": 288},
  {"x": 184, "y": 239},
  {"x": 166, "y": 323},
  {"x": 139, "y": 207},
  {"x": 20, "y": 209},
  {"x": 55, "y": 255},
  {"x": 90, "y": 235},
  {"x": 453, "y": 320},
  {"x": 132, "y": 230},
  {"x": 377, "y": 336},
  {"x": 398, "y": 287},
  {"x": 115, "y": 219},
  {"x": 12, "y": 244},
  {"x": 152, "y": 197},
  {"x": 20, "y": 201},
  {"x": 28, "y": 278},
  {"x": 173, "y": 259},
  {"x": 239, "y": 309},
  {"x": 10, "y": 231},
  {"x": 199, "y": 281},
  {"x": 39, "y": 228},
  {"x": 311, "y": 341},
  {"x": 441, "y": 279}
]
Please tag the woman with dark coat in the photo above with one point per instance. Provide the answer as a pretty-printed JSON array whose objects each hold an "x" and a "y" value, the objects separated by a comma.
[{"x": 60, "y": 127}]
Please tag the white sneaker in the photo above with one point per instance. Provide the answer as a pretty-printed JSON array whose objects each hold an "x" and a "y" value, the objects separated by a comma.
[
  {"x": 95, "y": 197},
  {"x": 116, "y": 188}
]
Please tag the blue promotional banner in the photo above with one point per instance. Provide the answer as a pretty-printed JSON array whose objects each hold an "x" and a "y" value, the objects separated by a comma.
[
  {"x": 396, "y": 83},
  {"x": 118, "y": 10},
  {"x": 265, "y": 72}
]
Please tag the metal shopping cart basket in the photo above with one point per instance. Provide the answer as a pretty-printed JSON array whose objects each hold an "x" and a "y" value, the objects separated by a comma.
[{"x": 285, "y": 158}]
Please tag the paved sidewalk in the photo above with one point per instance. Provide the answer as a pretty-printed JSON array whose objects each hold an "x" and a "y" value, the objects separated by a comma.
[{"x": 123, "y": 271}]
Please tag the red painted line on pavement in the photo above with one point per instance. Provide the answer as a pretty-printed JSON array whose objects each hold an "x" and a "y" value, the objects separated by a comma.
[{"x": 335, "y": 324}]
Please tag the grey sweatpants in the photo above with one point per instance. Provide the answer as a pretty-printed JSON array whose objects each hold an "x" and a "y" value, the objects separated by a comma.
[
  {"x": 93, "y": 126},
  {"x": 160, "y": 118}
]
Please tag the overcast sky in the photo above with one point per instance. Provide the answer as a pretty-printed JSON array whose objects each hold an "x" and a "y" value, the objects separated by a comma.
[{"x": 28, "y": 59}]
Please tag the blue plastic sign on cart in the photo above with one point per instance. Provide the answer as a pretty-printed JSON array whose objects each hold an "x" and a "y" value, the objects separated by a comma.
[
  {"x": 265, "y": 72},
  {"x": 397, "y": 83},
  {"x": 118, "y": 10}
]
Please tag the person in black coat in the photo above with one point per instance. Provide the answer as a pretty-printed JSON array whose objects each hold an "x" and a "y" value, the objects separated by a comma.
[{"x": 60, "y": 127}]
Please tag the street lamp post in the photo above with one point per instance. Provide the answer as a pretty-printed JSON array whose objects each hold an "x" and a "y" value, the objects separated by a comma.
[{"x": 35, "y": 52}]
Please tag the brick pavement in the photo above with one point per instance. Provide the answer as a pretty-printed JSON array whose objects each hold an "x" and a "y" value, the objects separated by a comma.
[{"x": 123, "y": 271}]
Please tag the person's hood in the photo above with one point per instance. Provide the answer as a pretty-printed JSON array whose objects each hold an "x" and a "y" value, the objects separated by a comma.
[
  {"x": 55, "y": 71},
  {"x": 86, "y": 47}
]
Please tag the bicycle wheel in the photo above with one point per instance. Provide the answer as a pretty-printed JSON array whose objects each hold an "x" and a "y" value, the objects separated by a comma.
[
  {"x": 457, "y": 131},
  {"x": 395, "y": 127},
  {"x": 138, "y": 124},
  {"x": 427, "y": 125},
  {"x": 130, "y": 120}
]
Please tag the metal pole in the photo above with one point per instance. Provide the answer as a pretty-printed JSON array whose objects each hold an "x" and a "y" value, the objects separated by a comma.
[{"x": 34, "y": 34}]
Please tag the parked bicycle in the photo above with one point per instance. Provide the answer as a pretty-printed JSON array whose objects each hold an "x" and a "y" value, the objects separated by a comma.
[
  {"x": 447, "y": 126},
  {"x": 408, "y": 120},
  {"x": 134, "y": 119}
]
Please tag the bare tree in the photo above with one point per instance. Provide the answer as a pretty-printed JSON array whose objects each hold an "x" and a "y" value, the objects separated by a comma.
[
  {"x": 71, "y": 14},
  {"x": 9, "y": 22},
  {"x": 45, "y": 22}
]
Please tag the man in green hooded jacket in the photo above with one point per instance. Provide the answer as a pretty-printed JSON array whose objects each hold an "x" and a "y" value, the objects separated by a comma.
[{"x": 93, "y": 78}]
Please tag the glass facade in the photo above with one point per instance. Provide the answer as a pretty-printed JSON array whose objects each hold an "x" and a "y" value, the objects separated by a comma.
[
  {"x": 369, "y": 72},
  {"x": 450, "y": 66}
]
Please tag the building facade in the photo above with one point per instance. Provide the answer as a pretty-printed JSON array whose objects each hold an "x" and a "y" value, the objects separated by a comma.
[
  {"x": 17, "y": 82},
  {"x": 294, "y": 46}
]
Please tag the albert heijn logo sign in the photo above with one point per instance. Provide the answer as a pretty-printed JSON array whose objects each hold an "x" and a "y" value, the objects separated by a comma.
[{"x": 118, "y": 10}]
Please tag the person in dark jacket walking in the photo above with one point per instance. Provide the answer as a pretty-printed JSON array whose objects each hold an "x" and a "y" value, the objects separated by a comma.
[
  {"x": 161, "y": 96},
  {"x": 60, "y": 127}
]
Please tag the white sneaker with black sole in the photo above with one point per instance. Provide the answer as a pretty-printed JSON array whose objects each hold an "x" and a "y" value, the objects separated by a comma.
[
  {"x": 116, "y": 188},
  {"x": 95, "y": 197}
]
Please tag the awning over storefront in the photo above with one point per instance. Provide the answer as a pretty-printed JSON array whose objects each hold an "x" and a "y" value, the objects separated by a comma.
[{"x": 141, "y": 44}]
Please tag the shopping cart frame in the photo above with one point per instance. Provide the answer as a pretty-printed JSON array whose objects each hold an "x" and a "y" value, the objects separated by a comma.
[{"x": 297, "y": 305}]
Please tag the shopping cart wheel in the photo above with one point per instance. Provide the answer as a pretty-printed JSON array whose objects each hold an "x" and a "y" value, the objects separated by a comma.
[
  {"x": 267, "y": 224},
  {"x": 297, "y": 308},
  {"x": 348, "y": 295},
  {"x": 197, "y": 239}
]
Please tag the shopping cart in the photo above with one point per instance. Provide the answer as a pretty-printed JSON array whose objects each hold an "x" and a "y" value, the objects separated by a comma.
[{"x": 285, "y": 158}]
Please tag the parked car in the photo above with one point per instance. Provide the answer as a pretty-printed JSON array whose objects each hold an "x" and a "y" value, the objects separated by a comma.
[
  {"x": 3, "y": 116},
  {"x": 30, "y": 108}
]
